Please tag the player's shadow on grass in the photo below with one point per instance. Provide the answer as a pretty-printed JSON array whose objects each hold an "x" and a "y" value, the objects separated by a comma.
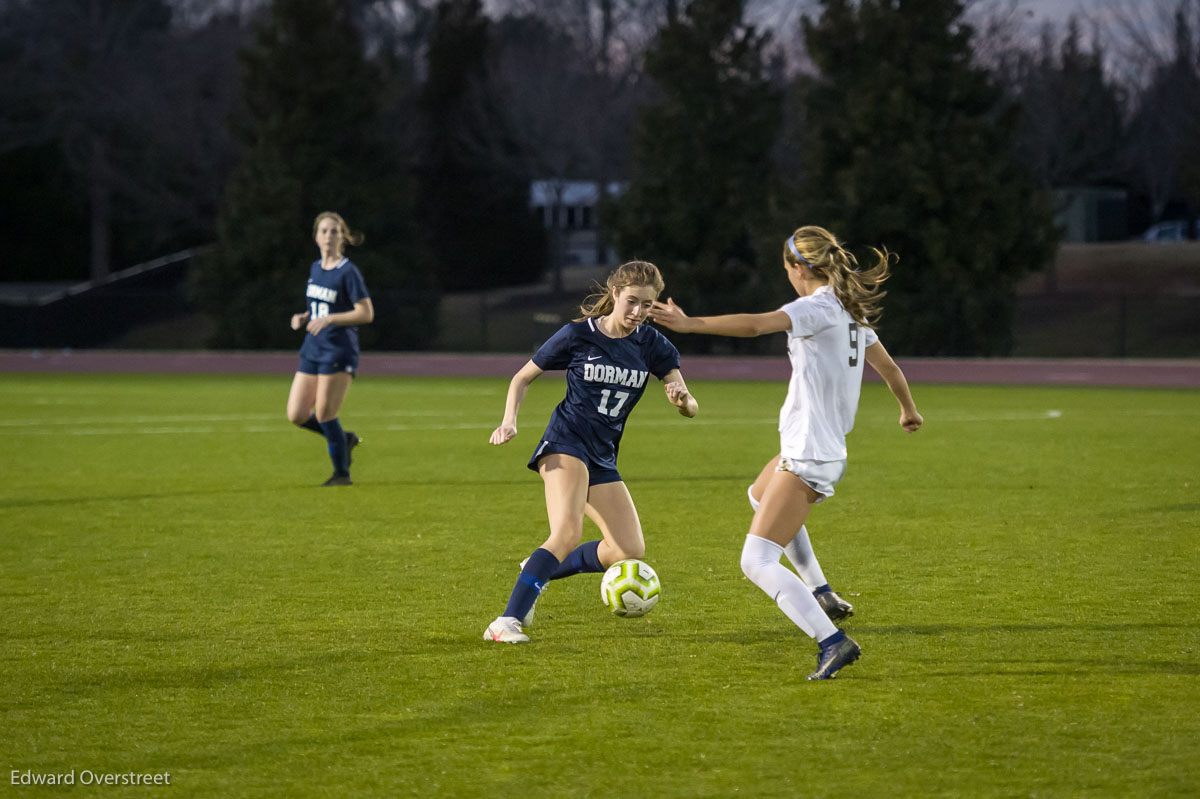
[
  {"x": 959, "y": 629},
  {"x": 1051, "y": 667},
  {"x": 1185, "y": 507},
  {"x": 118, "y": 680},
  {"x": 52, "y": 502},
  {"x": 63, "y": 501}
]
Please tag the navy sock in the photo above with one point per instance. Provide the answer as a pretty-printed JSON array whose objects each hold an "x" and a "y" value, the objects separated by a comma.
[
  {"x": 836, "y": 638},
  {"x": 313, "y": 425},
  {"x": 336, "y": 437},
  {"x": 533, "y": 579},
  {"x": 583, "y": 559},
  {"x": 822, "y": 589}
]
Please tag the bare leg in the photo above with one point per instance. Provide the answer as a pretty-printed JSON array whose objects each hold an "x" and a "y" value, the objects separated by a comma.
[
  {"x": 331, "y": 392},
  {"x": 799, "y": 550},
  {"x": 611, "y": 507},
  {"x": 302, "y": 398},
  {"x": 566, "y": 481},
  {"x": 786, "y": 502}
]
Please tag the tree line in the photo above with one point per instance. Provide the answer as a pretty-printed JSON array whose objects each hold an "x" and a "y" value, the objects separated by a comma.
[{"x": 132, "y": 128}]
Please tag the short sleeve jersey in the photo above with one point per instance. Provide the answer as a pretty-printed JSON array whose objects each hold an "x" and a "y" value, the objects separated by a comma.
[
  {"x": 827, "y": 350},
  {"x": 332, "y": 291},
  {"x": 605, "y": 379}
]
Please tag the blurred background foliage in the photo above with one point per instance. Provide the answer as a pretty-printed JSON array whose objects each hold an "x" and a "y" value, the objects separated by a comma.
[{"x": 131, "y": 129}]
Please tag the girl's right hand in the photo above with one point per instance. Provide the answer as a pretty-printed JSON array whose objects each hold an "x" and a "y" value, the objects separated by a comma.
[
  {"x": 299, "y": 320},
  {"x": 503, "y": 434}
]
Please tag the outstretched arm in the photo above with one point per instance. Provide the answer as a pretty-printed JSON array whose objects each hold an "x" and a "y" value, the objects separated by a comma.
[
  {"x": 882, "y": 363},
  {"x": 679, "y": 396},
  {"x": 739, "y": 325},
  {"x": 516, "y": 395}
]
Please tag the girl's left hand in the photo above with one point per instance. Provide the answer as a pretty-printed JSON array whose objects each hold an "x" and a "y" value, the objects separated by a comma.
[
  {"x": 315, "y": 326},
  {"x": 677, "y": 393}
]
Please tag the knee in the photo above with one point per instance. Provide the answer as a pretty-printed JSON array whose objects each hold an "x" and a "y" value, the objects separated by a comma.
[
  {"x": 561, "y": 545},
  {"x": 564, "y": 536},
  {"x": 296, "y": 416},
  {"x": 325, "y": 414},
  {"x": 758, "y": 554},
  {"x": 750, "y": 564},
  {"x": 629, "y": 551}
]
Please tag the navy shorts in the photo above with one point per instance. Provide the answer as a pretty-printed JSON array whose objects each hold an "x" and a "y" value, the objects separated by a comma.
[
  {"x": 345, "y": 363},
  {"x": 597, "y": 474}
]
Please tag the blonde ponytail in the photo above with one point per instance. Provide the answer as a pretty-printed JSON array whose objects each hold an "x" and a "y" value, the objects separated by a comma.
[{"x": 857, "y": 290}]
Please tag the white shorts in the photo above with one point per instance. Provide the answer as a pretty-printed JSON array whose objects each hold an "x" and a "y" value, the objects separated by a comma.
[{"x": 820, "y": 476}]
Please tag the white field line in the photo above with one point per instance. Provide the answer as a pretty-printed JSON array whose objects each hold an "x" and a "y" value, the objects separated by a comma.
[
  {"x": 999, "y": 417},
  {"x": 31, "y": 428},
  {"x": 184, "y": 418}
]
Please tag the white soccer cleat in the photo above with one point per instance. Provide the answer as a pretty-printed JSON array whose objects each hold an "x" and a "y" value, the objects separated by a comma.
[{"x": 505, "y": 630}]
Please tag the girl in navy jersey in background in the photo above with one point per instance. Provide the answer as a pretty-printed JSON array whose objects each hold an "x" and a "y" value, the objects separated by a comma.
[
  {"x": 608, "y": 355},
  {"x": 829, "y": 337},
  {"x": 337, "y": 301}
]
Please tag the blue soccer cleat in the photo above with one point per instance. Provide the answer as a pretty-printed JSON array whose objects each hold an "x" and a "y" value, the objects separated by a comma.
[{"x": 835, "y": 657}]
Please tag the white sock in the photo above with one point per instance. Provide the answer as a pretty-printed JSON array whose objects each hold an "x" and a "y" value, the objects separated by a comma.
[
  {"x": 760, "y": 562},
  {"x": 800, "y": 552}
]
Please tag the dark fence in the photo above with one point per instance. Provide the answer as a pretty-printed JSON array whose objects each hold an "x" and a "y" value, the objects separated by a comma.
[
  {"x": 1107, "y": 325},
  {"x": 90, "y": 314}
]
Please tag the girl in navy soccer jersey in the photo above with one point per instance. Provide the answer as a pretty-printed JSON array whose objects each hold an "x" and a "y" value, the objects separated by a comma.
[
  {"x": 337, "y": 301},
  {"x": 829, "y": 336},
  {"x": 608, "y": 355}
]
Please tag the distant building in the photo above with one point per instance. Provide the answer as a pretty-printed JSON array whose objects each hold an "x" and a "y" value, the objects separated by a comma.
[
  {"x": 1089, "y": 213},
  {"x": 570, "y": 207}
]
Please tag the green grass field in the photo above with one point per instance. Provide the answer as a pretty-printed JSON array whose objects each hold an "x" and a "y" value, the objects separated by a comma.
[{"x": 178, "y": 596}]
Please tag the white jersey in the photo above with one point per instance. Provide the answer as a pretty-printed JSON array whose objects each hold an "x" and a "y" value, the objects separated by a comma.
[{"x": 826, "y": 347}]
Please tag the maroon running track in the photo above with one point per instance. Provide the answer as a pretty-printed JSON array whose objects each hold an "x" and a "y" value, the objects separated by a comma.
[{"x": 1082, "y": 372}]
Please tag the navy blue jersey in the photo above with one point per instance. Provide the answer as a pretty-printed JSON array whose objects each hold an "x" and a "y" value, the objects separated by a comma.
[
  {"x": 605, "y": 379},
  {"x": 332, "y": 291}
]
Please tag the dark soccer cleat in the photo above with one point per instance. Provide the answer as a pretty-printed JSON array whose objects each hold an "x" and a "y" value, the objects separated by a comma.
[
  {"x": 338, "y": 480},
  {"x": 835, "y": 657},
  {"x": 352, "y": 441},
  {"x": 834, "y": 606}
]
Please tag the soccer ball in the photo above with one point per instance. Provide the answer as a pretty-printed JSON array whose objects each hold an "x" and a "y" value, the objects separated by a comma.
[{"x": 630, "y": 588}]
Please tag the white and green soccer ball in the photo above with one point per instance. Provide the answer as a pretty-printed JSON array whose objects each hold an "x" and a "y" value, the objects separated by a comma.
[{"x": 630, "y": 588}]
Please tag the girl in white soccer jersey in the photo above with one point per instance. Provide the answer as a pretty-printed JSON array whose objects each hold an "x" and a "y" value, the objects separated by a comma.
[
  {"x": 608, "y": 355},
  {"x": 336, "y": 302},
  {"x": 829, "y": 337}
]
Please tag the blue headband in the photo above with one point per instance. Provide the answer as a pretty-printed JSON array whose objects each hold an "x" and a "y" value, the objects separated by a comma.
[{"x": 792, "y": 246}]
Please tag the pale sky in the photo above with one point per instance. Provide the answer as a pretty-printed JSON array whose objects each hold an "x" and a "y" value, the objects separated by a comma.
[{"x": 1058, "y": 10}]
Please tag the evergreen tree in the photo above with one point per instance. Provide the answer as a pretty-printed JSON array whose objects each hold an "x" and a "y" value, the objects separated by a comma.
[
  {"x": 910, "y": 146},
  {"x": 702, "y": 179},
  {"x": 474, "y": 195},
  {"x": 1071, "y": 130},
  {"x": 1165, "y": 128},
  {"x": 311, "y": 143}
]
